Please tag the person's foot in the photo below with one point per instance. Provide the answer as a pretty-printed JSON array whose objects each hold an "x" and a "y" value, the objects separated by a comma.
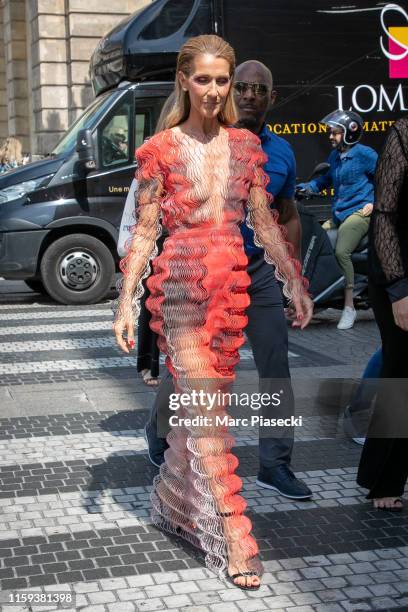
[
  {"x": 347, "y": 319},
  {"x": 155, "y": 447},
  {"x": 239, "y": 574},
  {"x": 282, "y": 479},
  {"x": 148, "y": 379},
  {"x": 249, "y": 581},
  {"x": 392, "y": 504}
]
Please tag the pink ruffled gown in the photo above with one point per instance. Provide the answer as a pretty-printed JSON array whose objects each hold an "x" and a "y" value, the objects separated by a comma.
[{"x": 200, "y": 191}]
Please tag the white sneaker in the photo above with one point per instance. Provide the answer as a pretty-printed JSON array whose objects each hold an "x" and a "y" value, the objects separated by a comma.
[{"x": 347, "y": 318}]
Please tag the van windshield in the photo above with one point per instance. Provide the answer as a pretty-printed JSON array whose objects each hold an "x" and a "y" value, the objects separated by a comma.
[{"x": 85, "y": 121}]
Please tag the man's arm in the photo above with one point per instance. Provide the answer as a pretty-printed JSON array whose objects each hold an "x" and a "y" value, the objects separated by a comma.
[
  {"x": 325, "y": 181},
  {"x": 371, "y": 162},
  {"x": 289, "y": 218},
  {"x": 281, "y": 169}
]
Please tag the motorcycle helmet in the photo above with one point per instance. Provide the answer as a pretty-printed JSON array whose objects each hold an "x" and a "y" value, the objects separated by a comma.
[{"x": 350, "y": 122}]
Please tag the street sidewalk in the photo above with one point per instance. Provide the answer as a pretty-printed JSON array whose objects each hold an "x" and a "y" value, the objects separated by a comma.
[{"x": 75, "y": 481}]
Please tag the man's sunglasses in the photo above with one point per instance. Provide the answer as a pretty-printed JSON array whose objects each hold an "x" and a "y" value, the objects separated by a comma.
[{"x": 258, "y": 89}]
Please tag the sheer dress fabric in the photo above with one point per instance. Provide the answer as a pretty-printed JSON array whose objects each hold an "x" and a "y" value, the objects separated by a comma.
[
  {"x": 199, "y": 191},
  {"x": 389, "y": 222}
]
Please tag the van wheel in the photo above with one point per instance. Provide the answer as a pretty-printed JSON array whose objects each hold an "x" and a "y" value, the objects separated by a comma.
[
  {"x": 77, "y": 269},
  {"x": 35, "y": 285}
]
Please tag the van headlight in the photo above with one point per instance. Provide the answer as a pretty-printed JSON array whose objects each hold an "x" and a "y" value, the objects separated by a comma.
[{"x": 14, "y": 192}]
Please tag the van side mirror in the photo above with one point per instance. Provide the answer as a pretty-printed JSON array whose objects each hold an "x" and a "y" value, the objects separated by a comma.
[{"x": 85, "y": 149}]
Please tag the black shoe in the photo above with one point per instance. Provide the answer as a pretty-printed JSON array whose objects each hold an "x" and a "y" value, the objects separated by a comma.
[
  {"x": 155, "y": 450},
  {"x": 283, "y": 480}
]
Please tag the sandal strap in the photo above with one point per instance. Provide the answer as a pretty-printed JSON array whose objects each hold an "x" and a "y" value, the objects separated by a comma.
[{"x": 243, "y": 574}]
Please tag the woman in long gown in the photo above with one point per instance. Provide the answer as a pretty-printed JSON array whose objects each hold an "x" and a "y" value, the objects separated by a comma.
[
  {"x": 197, "y": 178},
  {"x": 383, "y": 467}
]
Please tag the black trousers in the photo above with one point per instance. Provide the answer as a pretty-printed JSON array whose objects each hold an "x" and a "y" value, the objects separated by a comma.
[
  {"x": 383, "y": 468},
  {"x": 148, "y": 354},
  {"x": 268, "y": 336}
]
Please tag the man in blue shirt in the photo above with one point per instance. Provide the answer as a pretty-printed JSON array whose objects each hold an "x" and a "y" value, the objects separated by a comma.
[
  {"x": 267, "y": 327},
  {"x": 351, "y": 173}
]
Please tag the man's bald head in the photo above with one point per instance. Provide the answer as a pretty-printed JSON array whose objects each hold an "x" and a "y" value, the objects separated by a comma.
[
  {"x": 253, "y": 103},
  {"x": 253, "y": 71}
]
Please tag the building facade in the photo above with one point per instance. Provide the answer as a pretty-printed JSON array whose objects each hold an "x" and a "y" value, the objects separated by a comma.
[{"x": 45, "y": 48}]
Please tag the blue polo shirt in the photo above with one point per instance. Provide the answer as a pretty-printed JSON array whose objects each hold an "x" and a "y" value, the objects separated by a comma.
[
  {"x": 281, "y": 169},
  {"x": 352, "y": 175}
]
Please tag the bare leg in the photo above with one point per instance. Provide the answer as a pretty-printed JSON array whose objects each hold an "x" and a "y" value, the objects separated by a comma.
[{"x": 389, "y": 503}]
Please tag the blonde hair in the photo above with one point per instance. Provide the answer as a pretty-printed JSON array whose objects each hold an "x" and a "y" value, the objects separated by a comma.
[
  {"x": 198, "y": 45},
  {"x": 11, "y": 151},
  {"x": 164, "y": 113}
]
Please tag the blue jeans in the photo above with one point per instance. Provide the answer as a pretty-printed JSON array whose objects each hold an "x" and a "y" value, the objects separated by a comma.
[{"x": 368, "y": 387}]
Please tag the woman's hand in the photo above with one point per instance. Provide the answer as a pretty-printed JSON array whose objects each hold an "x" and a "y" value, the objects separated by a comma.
[
  {"x": 301, "y": 309},
  {"x": 122, "y": 326},
  {"x": 367, "y": 210},
  {"x": 400, "y": 312}
]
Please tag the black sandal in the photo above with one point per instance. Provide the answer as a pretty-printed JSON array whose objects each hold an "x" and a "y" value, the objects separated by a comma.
[{"x": 244, "y": 587}]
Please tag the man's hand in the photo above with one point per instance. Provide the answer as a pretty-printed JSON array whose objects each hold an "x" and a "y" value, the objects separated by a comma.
[
  {"x": 400, "y": 312},
  {"x": 120, "y": 327},
  {"x": 367, "y": 210}
]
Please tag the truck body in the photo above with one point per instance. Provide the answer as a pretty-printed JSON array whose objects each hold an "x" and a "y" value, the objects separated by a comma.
[{"x": 59, "y": 217}]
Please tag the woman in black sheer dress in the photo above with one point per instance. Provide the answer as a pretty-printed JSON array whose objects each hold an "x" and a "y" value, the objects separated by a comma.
[{"x": 383, "y": 466}]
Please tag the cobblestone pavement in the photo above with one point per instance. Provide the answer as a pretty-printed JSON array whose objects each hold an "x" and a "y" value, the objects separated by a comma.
[{"x": 75, "y": 479}]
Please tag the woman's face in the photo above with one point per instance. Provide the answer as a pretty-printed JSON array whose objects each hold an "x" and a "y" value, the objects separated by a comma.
[{"x": 208, "y": 84}]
